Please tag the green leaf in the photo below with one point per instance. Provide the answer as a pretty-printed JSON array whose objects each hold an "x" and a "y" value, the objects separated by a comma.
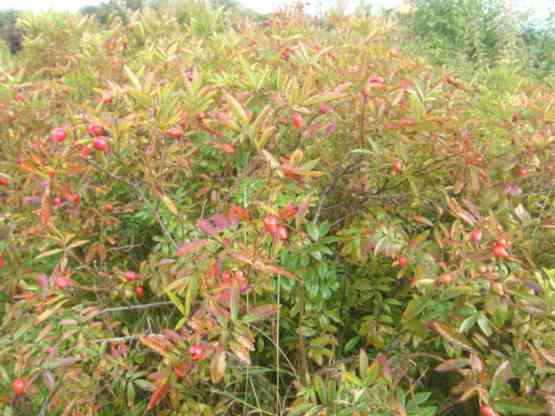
[
  {"x": 176, "y": 301},
  {"x": 49, "y": 253},
  {"x": 170, "y": 205},
  {"x": 483, "y": 323},
  {"x": 302, "y": 409},
  {"x": 468, "y": 323},
  {"x": 498, "y": 380},
  {"x": 313, "y": 231},
  {"x": 352, "y": 343},
  {"x": 363, "y": 364},
  {"x": 518, "y": 406},
  {"x": 451, "y": 335},
  {"x": 133, "y": 78}
]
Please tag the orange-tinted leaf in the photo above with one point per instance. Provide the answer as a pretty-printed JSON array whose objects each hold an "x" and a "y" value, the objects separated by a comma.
[
  {"x": 157, "y": 343},
  {"x": 158, "y": 394}
]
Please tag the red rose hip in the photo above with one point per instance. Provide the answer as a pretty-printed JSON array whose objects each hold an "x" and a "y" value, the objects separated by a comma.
[
  {"x": 130, "y": 276},
  {"x": 297, "y": 121},
  {"x": 86, "y": 152},
  {"x": 58, "y": 135},
  {"x": 139, "y": 292},
  {"x": 476, "y": 235},
  {"x": 175, "y": 133},
  {"x": 100, "y": 144},
  {"x": 281, "y": 233},
  {"x": 270, "y": 223},
  {"x": 18, "y": 386},
  {"x": 197, "y": 352},
  {"x": 500, "y": 252},
  {"x": 95, "y": 130}
]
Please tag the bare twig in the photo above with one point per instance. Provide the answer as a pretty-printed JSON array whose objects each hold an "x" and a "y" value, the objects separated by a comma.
[
  {"x": 127, "y": 338},
  {"x": 136, "y": 307},
  {"x": 347, "y": 169},
  {"x": 137, "y": 188}
]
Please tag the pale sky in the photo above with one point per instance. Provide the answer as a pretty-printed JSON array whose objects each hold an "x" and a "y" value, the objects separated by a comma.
[{"x": 539, "y": 7}]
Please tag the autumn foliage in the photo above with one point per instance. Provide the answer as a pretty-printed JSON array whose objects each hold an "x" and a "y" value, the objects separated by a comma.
[{"x": 210, "y": 215}]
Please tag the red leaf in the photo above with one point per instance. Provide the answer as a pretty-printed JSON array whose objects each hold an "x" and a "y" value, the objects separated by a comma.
[
  {"x": 220, "y": 222},
  {"x": 207, "y": 227},
  {"x": 224, "y": 147},
  {"x": 191, "y": 247},
  {"x": 158, "y": 394}
]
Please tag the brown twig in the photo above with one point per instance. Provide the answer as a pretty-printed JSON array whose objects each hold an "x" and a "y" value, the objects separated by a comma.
[
  {"x": 136, "y": 307},
  {"x": 120, "y": 339},
  {"x": 137, "y": 188}
]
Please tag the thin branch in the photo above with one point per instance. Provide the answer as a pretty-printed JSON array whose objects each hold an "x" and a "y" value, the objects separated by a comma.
[
  {"x": 137, "y": 188},
  {"x": 347, "y": 169},
  {"x": 136, "y": 307},
  {"x": 120, "y": 339}
]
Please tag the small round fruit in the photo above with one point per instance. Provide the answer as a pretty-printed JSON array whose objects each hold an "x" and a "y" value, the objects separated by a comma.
[
  {"x": 486, "y": 410},
  {"x": 403, "y": 261},
  {"x": 502, "y": 242},
  {"x": 281, "y": 233},
  {"x": 108, "y": 207},
  {"x": 1, "y": 262},
  {"x": 57, "y": 202},
  {"x": 100, "y": 144},
  {"x": 476, "y": 235},
  {"x": 271, "y": 223},
  {"x": 397, "y": 166},
  {"x": 175, "y": 133},
  {"x": 521, "y": 171},
  {"x": 297, "y": 121},
  {"x": 226, "y": 277},
  {"x": 18, "y": 386},
  {"x": 95, "y": 130},
  {"x": 4, "y": 181},
  {"x": 62, "y": 283},
  {"x": 197, "y": 352},
  {"x": 376, "y": 79},
  {"x": 58, "y": 135},
  {"x": 106, "y": 98},
  {"x": 500, "y": 252},
  {"x": 86, "y": 152},
  {"x": 76, "y": 198},
  {"x": 139, "y": 292},
  {"x": 130, "y": 276},
  {"x": 446, "y": 278}
]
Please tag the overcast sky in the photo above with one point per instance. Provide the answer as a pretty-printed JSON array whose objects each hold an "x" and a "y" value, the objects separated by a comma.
[{"x": 540, "y": 7}]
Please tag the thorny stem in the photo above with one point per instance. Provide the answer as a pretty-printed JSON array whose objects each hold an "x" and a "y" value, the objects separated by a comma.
[{"x": 136, "y": 187}]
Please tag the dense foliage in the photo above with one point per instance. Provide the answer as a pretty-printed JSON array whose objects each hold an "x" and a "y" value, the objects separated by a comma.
[
  {"x": 210, "y": 216},
  {"x": 478, "y": 34}
]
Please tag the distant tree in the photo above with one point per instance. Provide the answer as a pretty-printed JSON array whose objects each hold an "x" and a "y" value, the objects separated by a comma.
[
  {"x": 120, "y": 8},
  {"x": 8, "y": 30}
]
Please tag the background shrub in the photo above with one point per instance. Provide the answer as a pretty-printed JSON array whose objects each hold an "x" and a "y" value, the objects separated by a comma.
[{"x": 204, "y": 213}]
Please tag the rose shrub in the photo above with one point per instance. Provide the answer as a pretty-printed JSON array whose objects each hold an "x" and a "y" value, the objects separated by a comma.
[{"x": 211, "y": 216}]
